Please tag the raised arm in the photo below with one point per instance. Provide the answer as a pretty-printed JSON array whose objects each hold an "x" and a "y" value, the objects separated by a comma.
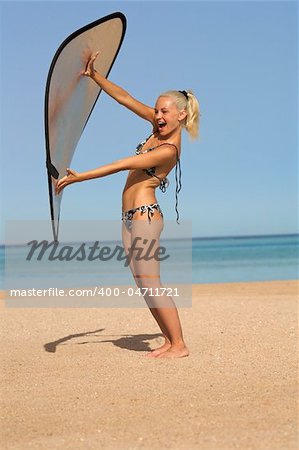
[
  {"x": 118, "y": 93},
  {"x": 154, "y": 158}
]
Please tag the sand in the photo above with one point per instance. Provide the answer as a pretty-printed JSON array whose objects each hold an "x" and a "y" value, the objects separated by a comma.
[{"x": 79, "y": 378}]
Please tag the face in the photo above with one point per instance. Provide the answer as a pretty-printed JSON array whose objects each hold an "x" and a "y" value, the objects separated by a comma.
[{"x": 167, "y": 115}]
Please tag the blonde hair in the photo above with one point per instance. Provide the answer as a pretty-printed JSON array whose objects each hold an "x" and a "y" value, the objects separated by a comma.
[{"x": 187, "y": 100}]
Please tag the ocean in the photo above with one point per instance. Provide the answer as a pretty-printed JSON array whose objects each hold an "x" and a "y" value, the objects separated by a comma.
[
  {"x": 250, "y": 258},
  {"x": 218, "y": 259}
]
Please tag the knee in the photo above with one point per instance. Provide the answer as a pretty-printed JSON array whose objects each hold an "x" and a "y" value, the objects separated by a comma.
[{"x": 147, "y": 281}]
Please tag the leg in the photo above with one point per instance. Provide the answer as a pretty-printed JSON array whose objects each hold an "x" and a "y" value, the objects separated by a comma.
[
  {"x": 147, "y": 275},
  {"x": 127, "y": 242}
]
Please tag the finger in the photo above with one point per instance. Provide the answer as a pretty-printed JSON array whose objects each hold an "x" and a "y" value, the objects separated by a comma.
[
  {"x": 87, "y": 67},
  {"x": 94, "y": 57},
  {"x": 59, "y": 189},
  {"x": 60, "y": 181}
]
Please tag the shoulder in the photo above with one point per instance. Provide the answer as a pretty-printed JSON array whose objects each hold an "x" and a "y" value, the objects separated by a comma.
[{"x": 170, "y": 148}]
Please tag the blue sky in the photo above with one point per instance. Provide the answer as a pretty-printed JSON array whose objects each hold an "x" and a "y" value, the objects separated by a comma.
[{"x": 240, "y": 58}]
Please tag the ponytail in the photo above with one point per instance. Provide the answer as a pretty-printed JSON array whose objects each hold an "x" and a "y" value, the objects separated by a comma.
[{"x": 193, "y": 113}]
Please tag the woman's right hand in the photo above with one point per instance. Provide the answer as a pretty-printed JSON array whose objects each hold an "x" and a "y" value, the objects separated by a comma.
[
  {"x": 71, "y": 177},
  {"x": 89, "y": 69}
]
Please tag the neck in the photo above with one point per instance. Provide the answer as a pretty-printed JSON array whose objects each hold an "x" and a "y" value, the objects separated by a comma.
[{"x": 176, "y": 133}]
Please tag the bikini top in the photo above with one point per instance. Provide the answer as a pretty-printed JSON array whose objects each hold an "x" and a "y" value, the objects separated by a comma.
[{"x": 164, "y": 183}]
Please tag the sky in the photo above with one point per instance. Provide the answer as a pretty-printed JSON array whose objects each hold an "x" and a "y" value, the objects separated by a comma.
[{"x": 240, "y": 59}]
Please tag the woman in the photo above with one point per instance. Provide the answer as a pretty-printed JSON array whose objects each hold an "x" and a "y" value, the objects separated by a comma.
[{"x": 148, "y": 169}]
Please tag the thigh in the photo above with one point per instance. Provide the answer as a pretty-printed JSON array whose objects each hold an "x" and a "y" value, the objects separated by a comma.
[
  {"x": 145, "y": 243},
  {"x": 126, "y": 239}
]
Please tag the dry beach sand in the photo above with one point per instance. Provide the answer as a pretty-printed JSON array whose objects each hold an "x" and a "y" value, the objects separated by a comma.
[{"x": 79, "y": 378}]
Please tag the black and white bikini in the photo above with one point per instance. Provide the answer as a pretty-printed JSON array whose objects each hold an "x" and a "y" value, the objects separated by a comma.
[{"x": 127, "y": 216}]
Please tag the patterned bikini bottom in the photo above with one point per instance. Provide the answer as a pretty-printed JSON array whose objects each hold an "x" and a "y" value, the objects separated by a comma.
[{"x": 127, "y": 216}]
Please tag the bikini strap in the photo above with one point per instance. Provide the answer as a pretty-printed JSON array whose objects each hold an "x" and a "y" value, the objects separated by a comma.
[
  {"x": 178, "y": 186},
  {"x": 178, "y": 178}
]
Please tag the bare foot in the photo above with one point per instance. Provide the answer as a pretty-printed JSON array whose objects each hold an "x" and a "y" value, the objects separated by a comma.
[
  {"x": 159, "y": 350},
  {"x": 175, "y": 352}
]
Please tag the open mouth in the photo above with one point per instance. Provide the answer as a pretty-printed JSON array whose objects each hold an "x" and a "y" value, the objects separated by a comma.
[{"x": 161, "y": 125}]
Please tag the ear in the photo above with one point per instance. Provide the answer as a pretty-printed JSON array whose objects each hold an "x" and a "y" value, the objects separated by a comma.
[{"x": 182, "y": 114}]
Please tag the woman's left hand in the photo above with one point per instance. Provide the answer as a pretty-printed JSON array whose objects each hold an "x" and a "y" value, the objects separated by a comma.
[
  {"x": 90, "y": 70},
  {"x": 71, "y": 177}
]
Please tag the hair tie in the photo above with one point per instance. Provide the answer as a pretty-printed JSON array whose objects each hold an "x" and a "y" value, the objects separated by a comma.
[{"x": 185, "y": 93}]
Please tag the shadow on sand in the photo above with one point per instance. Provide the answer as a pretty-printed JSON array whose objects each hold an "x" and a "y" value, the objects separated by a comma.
[{"x": 137, "y": 343}]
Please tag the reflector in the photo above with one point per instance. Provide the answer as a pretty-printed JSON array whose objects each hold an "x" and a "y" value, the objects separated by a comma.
[{"x": 71, "y": 96}]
